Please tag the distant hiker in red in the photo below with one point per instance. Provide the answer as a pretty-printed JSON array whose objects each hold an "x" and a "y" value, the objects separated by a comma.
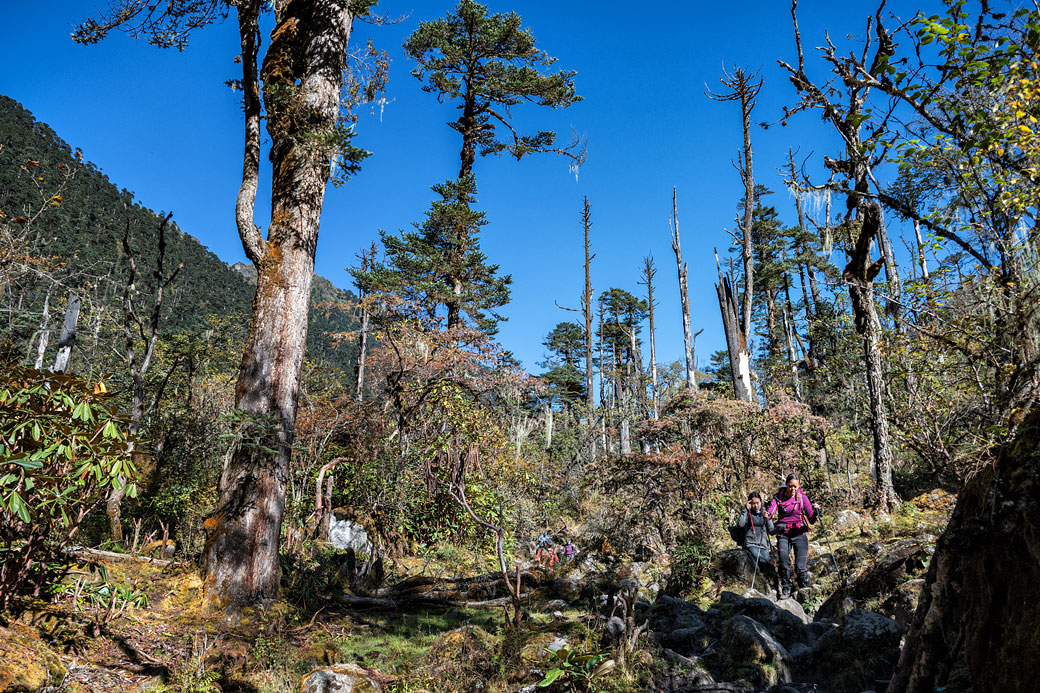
[{"x": 792, "y": 513}]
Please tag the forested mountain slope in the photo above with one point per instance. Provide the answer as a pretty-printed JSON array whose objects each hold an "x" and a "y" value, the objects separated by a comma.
[{"x": 85, "y": 228}]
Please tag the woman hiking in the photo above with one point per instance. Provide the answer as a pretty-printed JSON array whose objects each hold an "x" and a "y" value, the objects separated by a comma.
[
  {"x": 793, "y": 514},
  {"x": 757, "y": 528}
]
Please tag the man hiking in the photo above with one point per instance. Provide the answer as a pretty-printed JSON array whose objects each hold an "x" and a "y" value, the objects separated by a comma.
[
  {"x": 757, "y": 528},
  {"x": 793, "y": 514}
]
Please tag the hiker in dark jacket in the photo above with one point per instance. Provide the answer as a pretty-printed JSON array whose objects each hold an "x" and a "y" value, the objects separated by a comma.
[
  {"x": 793, "y": 513},
  {"x": 757, "y": 528}
]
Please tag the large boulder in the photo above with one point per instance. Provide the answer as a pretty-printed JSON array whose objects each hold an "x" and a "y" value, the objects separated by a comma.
[
  {"x": 339, "y": 678},
  {"x": 785, "y": 620},
  {"x": 858, "y": 654},
  {"x": 345, "y": 533},
  {"x": 876, "y": 586},
  {"x": 736, "y": 565},
  {"x": 569, "y": 588},
  {"x": 752, "y": 653}
]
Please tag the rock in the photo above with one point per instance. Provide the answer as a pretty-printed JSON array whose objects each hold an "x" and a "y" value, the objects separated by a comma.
[
  {"x": 735, "y": 565},
  {"x": 846, "y": 518},
  {"x": 670, "y": 614},
  {"x": 902, "y": 604},
  {"x": 868, "y": 629},
  {"x": 27, "y": 664},
  {"x": 339, "y": 678},
  {"x": 862, "y": 650},
  {"x": 780, "y": 618},
  {"x": 569, "y": 588},
  {"x": 345, "y": 534},
  {"x": 753, "y": 653},
  {"x": 877, "y": 585},
  {"x": 554, "y": 605},
  {"x": 534, "y": 651},
  {"x": 557, "y": 644},
  {"x": 685, "y": 641}
]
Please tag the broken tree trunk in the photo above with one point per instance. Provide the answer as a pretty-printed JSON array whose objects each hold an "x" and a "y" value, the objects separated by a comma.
[{"x": 68, "y": 334}]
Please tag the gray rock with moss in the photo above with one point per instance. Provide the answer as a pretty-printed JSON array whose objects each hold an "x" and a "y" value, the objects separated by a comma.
[
  {"x": 339, "y": 678},
  {"x": 753, "y": 653}
]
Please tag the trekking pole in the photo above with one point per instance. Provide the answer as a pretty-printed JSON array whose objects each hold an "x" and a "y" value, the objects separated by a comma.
[{"x": 755, "y": 575}]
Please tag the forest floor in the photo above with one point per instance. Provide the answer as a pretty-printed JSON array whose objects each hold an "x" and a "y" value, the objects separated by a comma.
[{"x": 125, "y": 625}]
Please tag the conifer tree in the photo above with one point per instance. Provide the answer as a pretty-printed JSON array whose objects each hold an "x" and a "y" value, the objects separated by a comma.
[
  {"x": 440, "y": 264},
  {"x": 487, "y": 64}
]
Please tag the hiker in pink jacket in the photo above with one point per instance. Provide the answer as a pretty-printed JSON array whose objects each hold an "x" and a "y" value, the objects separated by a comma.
[{"x": 792, "y": 514}]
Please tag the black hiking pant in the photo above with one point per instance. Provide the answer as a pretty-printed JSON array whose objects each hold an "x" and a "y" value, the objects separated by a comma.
[{"x": 797, "y": 541}]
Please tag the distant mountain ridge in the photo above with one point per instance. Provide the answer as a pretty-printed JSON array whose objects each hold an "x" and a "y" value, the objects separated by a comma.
[{"x": 86, "y": 229}]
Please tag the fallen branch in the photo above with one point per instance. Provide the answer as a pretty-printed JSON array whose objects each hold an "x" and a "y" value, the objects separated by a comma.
[{"x": 98, "y": 554}]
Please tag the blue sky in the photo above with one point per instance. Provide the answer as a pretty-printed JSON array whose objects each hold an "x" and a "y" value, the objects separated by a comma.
[{"x": 163, "y": 125}]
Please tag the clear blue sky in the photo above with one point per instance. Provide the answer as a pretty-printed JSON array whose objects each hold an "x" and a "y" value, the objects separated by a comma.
[{"x": 163, "y": 125}]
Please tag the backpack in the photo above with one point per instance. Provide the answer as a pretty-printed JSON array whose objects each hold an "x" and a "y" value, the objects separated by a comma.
[{"x": 739, "y": 535}]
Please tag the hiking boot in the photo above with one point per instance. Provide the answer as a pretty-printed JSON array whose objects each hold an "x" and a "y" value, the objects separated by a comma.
[
  {"x": 803, "y": 581},
  {"x": 785, "y": 589}
]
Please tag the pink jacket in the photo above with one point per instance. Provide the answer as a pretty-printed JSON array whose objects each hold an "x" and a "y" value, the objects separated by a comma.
[{"x": 792, "y": 514}]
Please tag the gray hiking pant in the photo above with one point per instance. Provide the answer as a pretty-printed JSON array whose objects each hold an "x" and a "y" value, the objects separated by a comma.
[
  {"x": 799, "y": 543},
  {"x": 759, "y": 553}
]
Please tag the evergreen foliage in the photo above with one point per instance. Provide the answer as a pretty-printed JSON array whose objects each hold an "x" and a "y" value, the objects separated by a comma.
[
  {"x": 440, "y": 264},
  {"x": 489, "y": 63}
]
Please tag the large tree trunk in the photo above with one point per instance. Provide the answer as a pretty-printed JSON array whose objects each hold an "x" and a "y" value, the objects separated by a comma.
[
  {"x": 303, "y": 79},
  {"x": 976, "y": 624}
]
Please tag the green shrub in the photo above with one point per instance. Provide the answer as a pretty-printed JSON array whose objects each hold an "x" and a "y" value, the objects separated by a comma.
[{"x": 63, "y": 446}]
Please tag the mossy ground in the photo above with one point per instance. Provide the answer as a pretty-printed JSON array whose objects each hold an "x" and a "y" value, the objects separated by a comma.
[{"x": 172, "y": 637}]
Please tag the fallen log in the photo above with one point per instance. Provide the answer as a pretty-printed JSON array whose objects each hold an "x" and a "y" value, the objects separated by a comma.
[{"x": 355, "y": 600}]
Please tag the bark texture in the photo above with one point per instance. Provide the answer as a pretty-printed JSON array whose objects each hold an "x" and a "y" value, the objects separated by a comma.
[
  {"x": 976, "y": 626},
  {"x": 302, "y": 78},
  {"x": 859, "y": 274}
]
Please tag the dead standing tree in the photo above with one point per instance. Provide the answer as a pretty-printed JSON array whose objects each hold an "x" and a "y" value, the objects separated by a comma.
[
  {"x": 139, "y": 364},
  {"x": 684, "y": 298},
  {"x": 648, "y": 281},
  {"x": 863, "y": 219},
  {"x": 743, "y": 87}
]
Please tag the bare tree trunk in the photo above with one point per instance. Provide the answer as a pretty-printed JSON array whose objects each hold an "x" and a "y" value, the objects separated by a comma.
[
  {"x": 684, "y": 298},
  {"x": 548, "y": 426},
  {"x": 45, "y": 333},
  {"x": 740, "y": 363},
  {"x": 586, "y": 305},
  {"x": 745, "y": 89},
  {"x": 68, "y": 334},
  {"x": 792, "y": 359},
  {"x": 367, "y": 262},
  {"x": 648, "y": 279},
  {"x": 303, "y": 80}
]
